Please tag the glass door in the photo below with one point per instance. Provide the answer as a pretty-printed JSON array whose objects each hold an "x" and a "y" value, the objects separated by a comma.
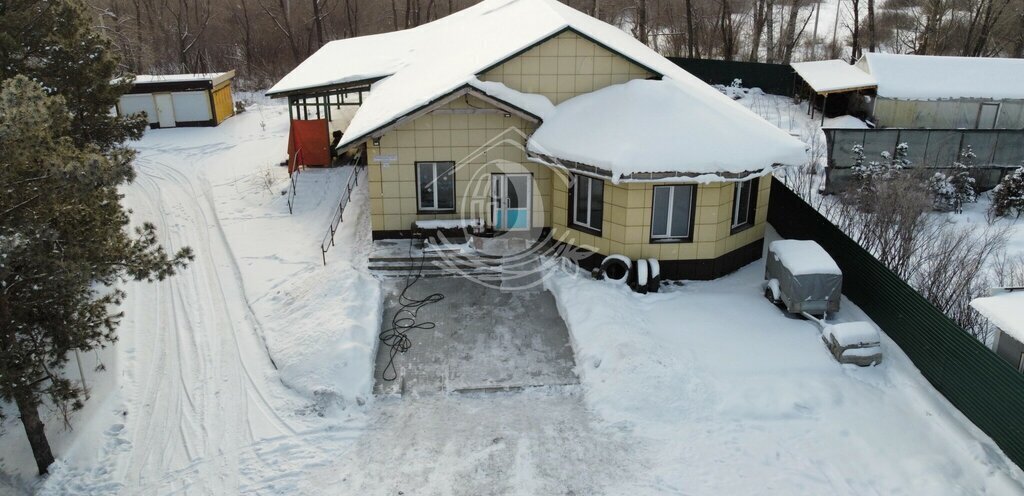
[{"x": 511, "y": 196}]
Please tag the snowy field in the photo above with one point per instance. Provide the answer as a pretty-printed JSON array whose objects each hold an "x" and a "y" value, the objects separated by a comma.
[{"x": 250, "y": 374}]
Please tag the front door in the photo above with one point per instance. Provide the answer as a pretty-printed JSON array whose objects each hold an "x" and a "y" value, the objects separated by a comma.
[
  {"x": 511, "y": 195},
  {"x": 164, "y": 109}
]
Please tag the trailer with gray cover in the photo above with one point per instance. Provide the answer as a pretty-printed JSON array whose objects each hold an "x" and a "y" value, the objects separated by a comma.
[{"x": 802, "y": 277}]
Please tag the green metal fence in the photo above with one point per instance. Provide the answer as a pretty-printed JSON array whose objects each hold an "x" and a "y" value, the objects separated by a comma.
[
  {"x": 775, "y": 79},
  {"x": 975, "y": 380}
]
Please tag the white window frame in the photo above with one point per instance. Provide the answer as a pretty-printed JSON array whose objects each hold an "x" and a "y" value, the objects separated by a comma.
[
  {"x": 668, "y": 218},
  {"x": 736, "y": 204},
  {"x": 589, "y": 200},
  {"x": 434, "y": 175}
]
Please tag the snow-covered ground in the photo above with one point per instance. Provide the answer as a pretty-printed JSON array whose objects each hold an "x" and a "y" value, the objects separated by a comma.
[
  {"x": 249, "y": 374},
  {"x": 191, "y": 401},
  {"x": 731, "y": 397}
]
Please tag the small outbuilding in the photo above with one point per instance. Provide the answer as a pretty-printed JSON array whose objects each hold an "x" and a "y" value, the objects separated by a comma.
[
  {"x": 1005, "y": 310},
  {"x": 836, "y": 87},
  {"x": 179, "y": 100},
  {"x": 925, "y": 91}
]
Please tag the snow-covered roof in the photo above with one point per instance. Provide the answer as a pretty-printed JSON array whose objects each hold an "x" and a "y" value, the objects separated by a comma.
[
  {"x": 421, "y": 65},
  {"x": 827, "y": 76},
  {"x": 927, "y": 77},
  {"x": 1004, "y": 310},
  {"x": 803, "y": 257},
  {"x": 214, "y": 77},
  {"x": 663, "y": 126}
]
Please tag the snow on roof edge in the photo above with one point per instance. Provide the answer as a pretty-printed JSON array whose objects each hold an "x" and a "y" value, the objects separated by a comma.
[
  {"x": 1004, "y": 310},
  {"x": 833, "y": 75}
]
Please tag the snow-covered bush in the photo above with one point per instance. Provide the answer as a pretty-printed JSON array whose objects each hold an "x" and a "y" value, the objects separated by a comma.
[
  {"x": 951, "y": 191},
  {"x": 872, "y": 175},
  {"x": 1008, "y": 195}
]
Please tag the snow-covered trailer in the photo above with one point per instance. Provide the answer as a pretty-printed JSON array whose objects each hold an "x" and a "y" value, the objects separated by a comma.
[
  {"x": 802, "y": 276},
  {"x": 178, "y": 100}
]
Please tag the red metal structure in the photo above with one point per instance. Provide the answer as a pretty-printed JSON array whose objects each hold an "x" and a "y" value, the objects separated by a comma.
[{"x": 308, "y": 144}]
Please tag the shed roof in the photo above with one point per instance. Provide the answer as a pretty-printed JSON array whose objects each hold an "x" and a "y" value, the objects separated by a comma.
[
  {"x": 414, "y": 68},
  {"x": 1005, "y": 310},
  {"x": 929, "y": 77},
  {"x": 831, "y": 76},
  {"x": 214, "y": 78}
]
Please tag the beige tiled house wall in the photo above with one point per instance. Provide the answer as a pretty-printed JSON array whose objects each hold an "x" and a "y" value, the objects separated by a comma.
[
  {"x": 565, "y": 66},
  {"x": 462, "y": 138},
  {"x": 626, "y": 226}
]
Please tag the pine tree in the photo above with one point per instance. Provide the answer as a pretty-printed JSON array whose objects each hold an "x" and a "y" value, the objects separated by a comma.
[
  {"x": 64, "y": 243},
  {"x": 872, "y": 175},
  {"x": 54, "y": 44},
  {"x": 950, "y": 192},
  {"x": 1008, "y": 195}
]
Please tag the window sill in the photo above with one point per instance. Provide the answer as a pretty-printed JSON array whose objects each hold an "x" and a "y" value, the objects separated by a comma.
[
  {"x": 740, "y": 228},
  {"x": 666, "y": 241},
  {"x": 585, "y": 229},
  {"x": 421, "y": 211}
]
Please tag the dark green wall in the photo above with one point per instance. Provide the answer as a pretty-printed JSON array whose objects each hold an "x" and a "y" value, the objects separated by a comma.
[
  {"x": 776, "y": 79},
  {"x": 974, "y": 379}
]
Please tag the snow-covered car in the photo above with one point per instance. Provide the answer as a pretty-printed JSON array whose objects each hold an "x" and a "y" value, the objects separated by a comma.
[
  {"x": 803, "y": 277},
  {"x": 853, "y": 342}
]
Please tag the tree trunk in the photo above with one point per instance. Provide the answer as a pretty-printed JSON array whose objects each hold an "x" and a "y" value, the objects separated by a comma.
[
  {"x": 872, "y": 41},
  {"x": 34, "y": 429},
  {"x": 770, "y": 28},
  {"x": 641, "y": 21},
  {"x": 691, "y": 40},
  {"x": 319, "y": 20},
  {"x": 758, "y": 31},
  {"x": 855, "y": 38}
]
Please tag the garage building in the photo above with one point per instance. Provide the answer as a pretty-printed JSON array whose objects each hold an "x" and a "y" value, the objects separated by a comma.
[{"x": 176, "y": 100}]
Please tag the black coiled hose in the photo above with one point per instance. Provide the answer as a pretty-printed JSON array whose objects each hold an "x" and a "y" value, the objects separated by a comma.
[{"x": 396, "y": 337}]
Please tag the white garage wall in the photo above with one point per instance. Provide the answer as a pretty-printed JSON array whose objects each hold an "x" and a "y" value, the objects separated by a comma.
[
  {"x": 190, "y": 106},
  {"x": 133, "y": 104}
]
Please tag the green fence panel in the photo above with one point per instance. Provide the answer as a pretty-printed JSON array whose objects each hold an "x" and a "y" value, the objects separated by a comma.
[
  {"x": 974, "y": 379},
  {"x": 775, "y": 79}
]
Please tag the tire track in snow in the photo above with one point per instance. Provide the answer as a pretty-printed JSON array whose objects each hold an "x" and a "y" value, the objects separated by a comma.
[{"x": 197, "y": 406}]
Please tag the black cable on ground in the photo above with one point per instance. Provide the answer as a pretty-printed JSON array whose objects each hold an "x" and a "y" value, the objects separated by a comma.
[{"x": 396, "y": 337}]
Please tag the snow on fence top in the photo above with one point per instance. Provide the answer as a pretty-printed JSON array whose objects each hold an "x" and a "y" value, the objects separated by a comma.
[
  {"x": 826, "y": 76},
  {"x": 1005, "y": 311},
  {"x": 659, "y": 126},
  {"x": 928, "y": 77},
  {"x": 418, "y": 66},
  {"x": 804, "y": 257}
]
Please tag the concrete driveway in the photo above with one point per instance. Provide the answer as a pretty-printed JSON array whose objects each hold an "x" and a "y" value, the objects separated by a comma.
[{"x": 485, "y": 339}]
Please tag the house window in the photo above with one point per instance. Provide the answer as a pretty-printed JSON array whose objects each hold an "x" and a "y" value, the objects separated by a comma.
[
  {"x": 672, "y": 213},
  {"x": 744, "y": 204},
  {"x": 586, "y": 198},
  {"x": 435, "y": 186}
]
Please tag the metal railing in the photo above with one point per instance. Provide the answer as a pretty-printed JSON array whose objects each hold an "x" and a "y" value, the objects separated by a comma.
[
  {"x": 293, "y": 179},
  {"x": 353, "y": 181}
]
